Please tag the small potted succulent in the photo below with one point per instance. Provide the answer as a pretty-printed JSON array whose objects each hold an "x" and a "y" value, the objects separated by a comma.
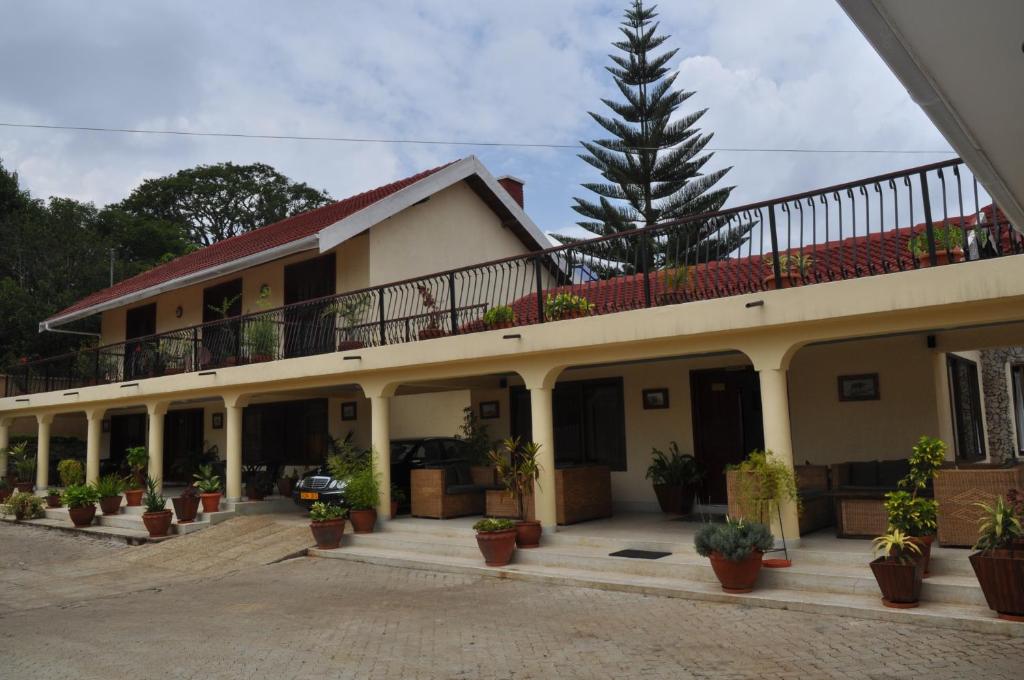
[
  {"x": 137, "y": 458},
  {"x": 80, "y": 500},
  {"x": 362, "y": 493},
  {"x": 999, "y": 562},
  {"x": 208, "y": 484},
  {"x": 327, "y": 522},
  {"x": 496, "y": 539},
  {"x": 566, "y": 306},
  {"x": 109, "y": 488},
  {"x": 793, "y": 269},
  {"x": 186, "y": 505},
  {"x": 23, "y": 506},
  {"x": 735, "y": 549},
  {"x": 157, "y": 517},
  {"x": 674, "y": 476},
  {"x": 517, "y": 469},
  {"x": 501, "y": 316},
  {"x": 949, "y": 239},
  {"x": 898, "y": 570}
]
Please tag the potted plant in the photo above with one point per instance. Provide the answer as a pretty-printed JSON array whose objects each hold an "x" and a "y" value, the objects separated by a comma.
[
  {"x": 674, "y": 477},
  {"x": 137, "y": 458},
  {"x": 351, "y": 309},
  {"x": 24, "y": 464},
  {"x": 70, "y": 472},
  {"x": 327, "y": 522},
  {"x": 23, "y": 506},
  {"x": 793, "y": 268},
  {"x": 999, "y": 562},
  {"x": 109, "y": 488},
  {"x": 224, "y": 331},
  {"x": 757, "y": 486},
  {"x": 53, "y": 497},
  {"x": 949, "y": 240},
  {"x": 208, "y": 484},
  {"x": 914, "y": 515},
  {"x": 676, "y": 282},
  {"x": 517, "y": 470},
  {"x": 157, "y": 517},
  {"x": 898, "y": 570},
  {"x": 398, "y": 499},
  {"x": 259, "y": 337},
  {"x": 80, "y": 500},
  {"x": 433, "y": 327},
  {"x": 501, "y": 316},
  {"x": 286, "y": 484},
  {"x": 256, "y": 483},
  {"x": 566, "y": 306},
  {"x": 362, "y": 493},
  {"x": 496, "y": 539},
  {"x": 735, "y": 549},
  {"x": 186, "y": 505}
]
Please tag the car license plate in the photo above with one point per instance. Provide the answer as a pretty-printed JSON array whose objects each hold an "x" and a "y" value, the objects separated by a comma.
[{"x": 309, "y": 495}]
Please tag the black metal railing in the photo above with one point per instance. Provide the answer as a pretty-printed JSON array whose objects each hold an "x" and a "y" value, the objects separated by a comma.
[{"x": 927, "y": 216}]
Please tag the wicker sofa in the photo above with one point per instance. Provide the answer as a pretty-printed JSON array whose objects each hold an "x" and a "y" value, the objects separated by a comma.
[
  {"x": 582, "y": 492},
  {"x": 454, "y": 489},
  {"x": 859, "y": 489}
]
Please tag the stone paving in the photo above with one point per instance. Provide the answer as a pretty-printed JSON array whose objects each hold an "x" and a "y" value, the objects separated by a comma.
[{"x": 308, "y": 618}]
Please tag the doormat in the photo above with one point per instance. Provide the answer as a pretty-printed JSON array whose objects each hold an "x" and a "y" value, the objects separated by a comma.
[
  {"x": 703, "y": 519},
  {"x": 640, "y": 554}
]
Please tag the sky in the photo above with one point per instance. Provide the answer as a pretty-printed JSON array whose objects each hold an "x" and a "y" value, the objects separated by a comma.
[{"x": 784, "y": 74}]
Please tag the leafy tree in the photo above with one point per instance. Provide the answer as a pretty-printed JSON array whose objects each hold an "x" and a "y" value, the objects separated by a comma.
[
  {"x": 215, "y": 202},
  {"x": 652, "y": 164}
]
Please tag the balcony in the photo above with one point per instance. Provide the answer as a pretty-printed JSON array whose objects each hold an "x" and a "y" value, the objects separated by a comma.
[{"x": 929, "y": 216}]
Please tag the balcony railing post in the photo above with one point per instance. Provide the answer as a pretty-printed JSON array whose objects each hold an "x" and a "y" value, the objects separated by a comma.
[
  {"x": 929, "y": 227},
  {"x": 46, "y": 376},
  {"x": 96, "y": 366},
  {"x": 454, "y": 306},
  {"x": 381, "y": 320},
  {"x": 195, "y": 349},
  {"x": 646, "y": 268},
  {"x": 776, "y": 265},
  {"x": 539, "y": 276}
]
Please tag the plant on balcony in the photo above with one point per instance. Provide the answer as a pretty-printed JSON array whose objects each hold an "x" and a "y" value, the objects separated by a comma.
[
  {"x": 898, "y": 570},
  {"x": 208, "y": 483},
  {"x": 433, "y": 328},
  {"x": 999, "y": 562},
  {"x": 362, "y": 494},
  {"x": 566, "y": 306},
  {"x": 677, "y": 281},
  {"x": 259, "y": 332},
  {"x": 675, "y": 477},
  {"x": 735, "y": 549},
  {"x": 496, "y": 539},
  {"x": 911, "y": 513},
  {"x": 351, "y": 309},
  {"x": 500, "y": 316},
  {"x": 762, "y": 483},
  {"x": 157, "y": 517},
  {"x": 137, "y": 459},
  {"x": 949, "y": 238},
  {"x": 327, "y": 522},
  {"x": 517, "y": 469},
  {"x": 793, "y": 268},
  {"x": 23, "y": 506},
  {"x": 186, "y": 505},
  {"x": 80, "y": 500},
  {"x": 225, "y": 332},
  {"x": 109, "y": 488}
]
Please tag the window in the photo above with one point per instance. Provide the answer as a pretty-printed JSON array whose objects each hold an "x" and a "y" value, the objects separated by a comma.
[
  {"x": 1017, "y": 376},
  {"x": 965, "y": 396}
]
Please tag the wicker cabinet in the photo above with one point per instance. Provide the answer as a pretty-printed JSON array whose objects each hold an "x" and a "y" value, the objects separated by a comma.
[
  {"x": 958, "y": 489},
  {"x": 581, "y": 493}
]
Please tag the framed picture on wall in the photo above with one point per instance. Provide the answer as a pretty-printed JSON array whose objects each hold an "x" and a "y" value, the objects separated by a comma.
[
  {"x": 863, "y": 387},
  {"x": 217, "y": 420},
  {"x": 348, "y": 410},
  {"x": 656, "y": 398},
  {"x": 489, "y": 410}
]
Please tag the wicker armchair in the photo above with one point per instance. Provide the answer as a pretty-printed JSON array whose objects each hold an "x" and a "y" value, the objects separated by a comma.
[
  {"x": 958, "y": 489},
  {"x": 453, "y": 490}
]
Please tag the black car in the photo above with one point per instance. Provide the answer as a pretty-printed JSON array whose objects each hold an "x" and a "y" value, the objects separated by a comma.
[{"x": 406, "y": 455}]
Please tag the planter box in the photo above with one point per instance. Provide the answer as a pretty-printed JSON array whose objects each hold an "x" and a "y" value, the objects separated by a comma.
[
  {"x": 581, "y": 493},
  {"x": 958, "y": 489}
]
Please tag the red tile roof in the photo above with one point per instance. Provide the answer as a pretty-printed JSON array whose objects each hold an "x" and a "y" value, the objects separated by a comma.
[{"x": 249, "y": 243}]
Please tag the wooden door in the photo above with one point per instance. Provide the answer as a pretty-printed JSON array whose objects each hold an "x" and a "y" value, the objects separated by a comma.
[
  {"x": 222, "y": 304},
  {"x": 307, "y": 329},
  {"x": 726, "y": 424},
  {"x": 140, "y": 357},
  {"x": 183, "y": 444},
  {"x": 126, "y": 431}
]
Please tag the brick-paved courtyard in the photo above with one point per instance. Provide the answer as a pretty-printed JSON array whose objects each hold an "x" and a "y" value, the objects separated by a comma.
[{"x": 66, "y": 615}]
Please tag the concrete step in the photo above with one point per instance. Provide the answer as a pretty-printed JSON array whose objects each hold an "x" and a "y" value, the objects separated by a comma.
[
  {"x": 129, "y": 536},
  {"x": 133, "y": 522}
]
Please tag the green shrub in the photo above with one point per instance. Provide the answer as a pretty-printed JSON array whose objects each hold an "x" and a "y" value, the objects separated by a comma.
[
  {"x": 734, "y": 540},
  {"x": 566, "y": 305},
  {"x": 137, "y": 458},
  {"x": 153, "y": 500},
  {"x": 206, "y": 480},
  {"x": 913, "y": 515},
  {"x": 947, "y": 237},
  {"x": 362, "y": 488},
  {"x": 321, "y": 512},
  {"x": 491, "y": 524},
  {"x": 80, "y": 495},
  {"x": 70, "y": 472},
  {"x": 25, "y": 467},
  {"x": 23, "y": 506},
  {"x": 109, "y": 486},
  {"x": 502, "y": 314},
  {"x": 764, "y": 483},
  {"x": 674, "y": 469},
  {"x": 346, "y": 458}
]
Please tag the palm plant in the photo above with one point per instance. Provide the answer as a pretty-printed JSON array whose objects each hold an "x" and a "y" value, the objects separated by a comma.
[
  {"x": 516, "y": 465},
  {"x": 999, "y": 527},
  {"x": 153, "y": 500}
]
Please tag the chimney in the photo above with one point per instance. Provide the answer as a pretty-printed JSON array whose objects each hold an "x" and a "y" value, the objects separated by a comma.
[{"x": 514, "y": 186}]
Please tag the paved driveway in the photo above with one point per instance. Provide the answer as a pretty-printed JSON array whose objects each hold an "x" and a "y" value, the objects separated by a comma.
[{"x": 311, "y": 619}]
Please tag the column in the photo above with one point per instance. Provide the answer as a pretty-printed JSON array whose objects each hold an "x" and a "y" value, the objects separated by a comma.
[
  {"x": 380, "y": 438},
  {"x": 541, "y": 410},
  {"x": 155, "y": 443},
  {"x": 43, "y": 452},
  {"x": 5, "y": 441},
  {"x": 233, "y": 408},
  {"x": 92, "y": 445},
  {"x": 778, "y": 440}
]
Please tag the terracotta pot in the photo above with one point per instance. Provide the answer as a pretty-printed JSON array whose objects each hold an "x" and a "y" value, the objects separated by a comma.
[
  {"x": 327, "y": 533},
  {"x": 925, "y": 544},
  {"x": 499, "y": 325},
  {"x": 24, "y": 487},
  {"x": 528, "y": 534},
  {"x": 900, "y": 583},
  {"x": 497, "y": 546},
  {"x": 260, "y": 358},
  {"x": 254, "y": 492},
  {"x": 285, "y": 486},
  {"x": 394, "y": 509},
  {"x": 211, "y": 501},
  {"x": 674, "y": 500},
  {"x": 185, "y": 508},
  {"x": 133, "y": 497},
  {"x": 786, "y": 280},
  {"x": 4, "y": 495},
  {"x": 431, "y": 333},
  {"x": 941, "y": 257},
  {"x": 82, "y": 517},
  {"x": 347, "y": 345},
  {"x": 737, "y": 576},
  {"x": 110, "y": 505},
  {"x": 157, "y": 523},
  {"x": 1001, "y": 577},
  {"x": 362, "y": 520},
  {"x": 52, "y": 500}
]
